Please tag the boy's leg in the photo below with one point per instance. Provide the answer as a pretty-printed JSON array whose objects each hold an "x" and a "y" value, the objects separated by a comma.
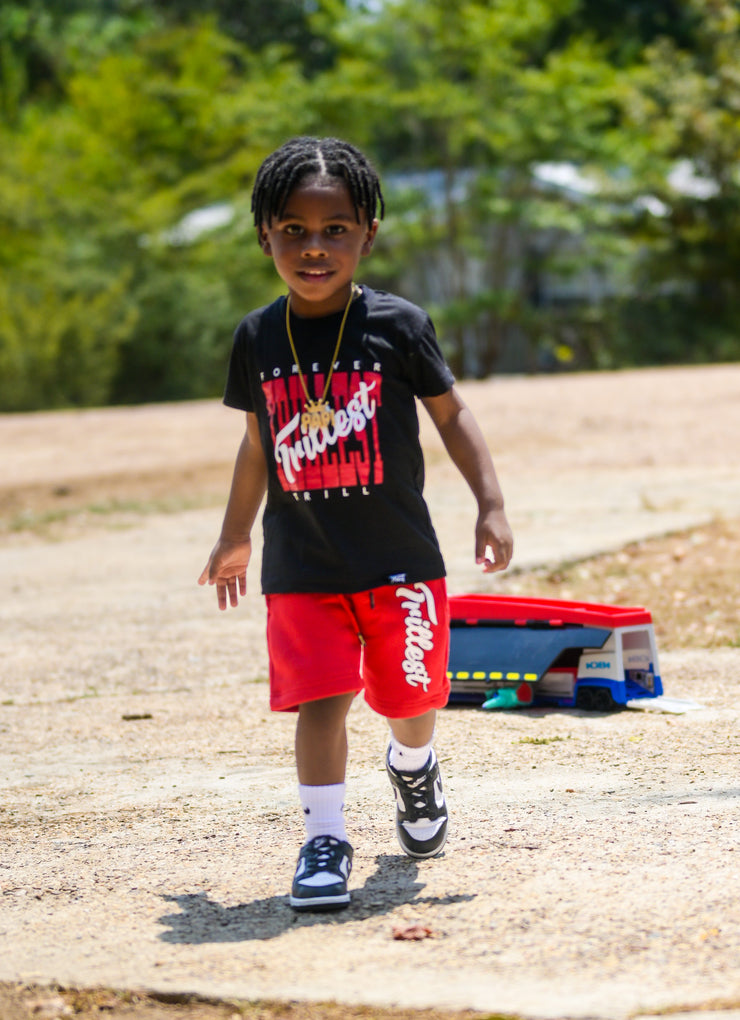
[
  {"x": 325, "y": 860},
  {"x": 300, "y": 628},
  {"x": 406, "y": 628},
  {"x": 416, "y": 733},
  {"x": 413, "y": 769},
  {"x": 321, "y": 740}
]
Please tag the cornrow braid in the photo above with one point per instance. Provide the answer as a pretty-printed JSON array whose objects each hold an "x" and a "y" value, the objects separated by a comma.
[{"x": 302, "y": 157}]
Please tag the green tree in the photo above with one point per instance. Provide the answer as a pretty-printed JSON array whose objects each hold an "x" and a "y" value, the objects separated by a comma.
[
  {"x": 42, "y": 42},
  {"x": 682, "y": 198},
  {"x": 91, "y": 190},
  {"x": 473, "y": 90},
  {"x": 118, "y": 118},
  {"x": 258, "y": 24},
  {"x": 626, "y": 27}
]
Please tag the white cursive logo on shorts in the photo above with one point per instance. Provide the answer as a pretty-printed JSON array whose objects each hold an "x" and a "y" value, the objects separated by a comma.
[{"x": 419, "y": 634}]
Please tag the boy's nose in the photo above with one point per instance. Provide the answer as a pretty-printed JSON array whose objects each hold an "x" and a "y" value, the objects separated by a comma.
[{"x": 313, "y": 245}]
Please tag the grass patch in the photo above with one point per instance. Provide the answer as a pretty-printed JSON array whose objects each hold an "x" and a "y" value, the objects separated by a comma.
[
  {"x": 65, "y": 521},
  {"x": 540, "y": 740}
]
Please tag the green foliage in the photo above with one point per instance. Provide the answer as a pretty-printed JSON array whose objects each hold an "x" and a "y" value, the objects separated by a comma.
[
  {"x": 118, "y": 118},
  {"x": 626, "y": 27},
  {"x": 259, "y": 25},
  {"x": 58, "y": 345},
  {"x": 43, "y": 41},
  {"x": 190, "y": 298},
  {"x": 682, "y": 108},
  {"x": 476, "y": 95},
  {"x": 95, "y": 184}
]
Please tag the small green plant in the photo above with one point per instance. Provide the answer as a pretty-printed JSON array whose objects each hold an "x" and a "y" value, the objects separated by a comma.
[{"x": 540, "y": 740}]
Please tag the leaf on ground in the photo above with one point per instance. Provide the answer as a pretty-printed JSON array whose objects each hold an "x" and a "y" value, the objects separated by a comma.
[{"x": 411, "y": 932}]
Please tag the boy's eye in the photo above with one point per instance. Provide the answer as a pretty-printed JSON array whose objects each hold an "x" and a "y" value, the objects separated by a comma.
[{"x": 298, "y": 230}]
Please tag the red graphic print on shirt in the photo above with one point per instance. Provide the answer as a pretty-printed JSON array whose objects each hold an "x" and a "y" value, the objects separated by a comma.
[{"x": 345, "y": 454}]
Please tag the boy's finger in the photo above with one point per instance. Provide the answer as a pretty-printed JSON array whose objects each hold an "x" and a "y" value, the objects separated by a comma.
[
  {"x": 484, "y": 551},
  {"x": 494, "y": 558}
]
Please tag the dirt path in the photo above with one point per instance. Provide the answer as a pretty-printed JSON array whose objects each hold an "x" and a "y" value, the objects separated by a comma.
[{"x": 149, "y": 820}]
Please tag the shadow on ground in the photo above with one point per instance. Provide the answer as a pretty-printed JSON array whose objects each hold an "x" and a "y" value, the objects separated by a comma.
[{"x": 202, "y": 921}]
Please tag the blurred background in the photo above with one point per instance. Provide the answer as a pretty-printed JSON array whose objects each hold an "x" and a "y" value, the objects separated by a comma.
[{"x": 561, "y": 178}]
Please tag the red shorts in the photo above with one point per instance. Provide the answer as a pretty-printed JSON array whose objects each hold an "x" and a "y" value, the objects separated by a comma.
[{"x": 392, "y": 642}]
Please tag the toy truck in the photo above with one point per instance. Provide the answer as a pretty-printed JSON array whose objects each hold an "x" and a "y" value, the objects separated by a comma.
[{"x": 508, "y": 651}]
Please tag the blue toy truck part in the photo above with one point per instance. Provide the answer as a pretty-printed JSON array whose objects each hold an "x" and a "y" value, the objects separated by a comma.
[{"x": 567, "y": 654}]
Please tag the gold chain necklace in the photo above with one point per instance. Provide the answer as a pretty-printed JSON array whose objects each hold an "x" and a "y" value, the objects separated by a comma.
[{"x": 318, "y": 414}]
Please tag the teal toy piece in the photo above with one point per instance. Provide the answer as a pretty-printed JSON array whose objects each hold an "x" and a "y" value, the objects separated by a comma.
[{"x": 510, "y": 697}]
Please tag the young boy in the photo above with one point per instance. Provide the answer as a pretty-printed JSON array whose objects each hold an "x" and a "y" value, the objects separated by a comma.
[{"x": 351, "y": 567}]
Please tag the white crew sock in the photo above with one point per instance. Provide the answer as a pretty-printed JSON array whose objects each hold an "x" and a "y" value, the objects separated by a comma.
[
  {"x": 323, "y": 808},
  {"x": 409, "y": 759}
]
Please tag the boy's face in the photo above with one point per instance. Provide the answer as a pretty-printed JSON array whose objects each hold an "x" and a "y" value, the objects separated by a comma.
[{"x": 317, "y": 245}]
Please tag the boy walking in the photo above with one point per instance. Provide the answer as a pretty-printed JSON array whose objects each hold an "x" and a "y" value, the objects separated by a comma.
[{"x": 351, "y": 569}]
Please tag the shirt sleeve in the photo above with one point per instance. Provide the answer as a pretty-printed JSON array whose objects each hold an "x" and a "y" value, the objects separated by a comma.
[
  {"x": 431, "y": 375},
  {"x": 238, "y": 392}
]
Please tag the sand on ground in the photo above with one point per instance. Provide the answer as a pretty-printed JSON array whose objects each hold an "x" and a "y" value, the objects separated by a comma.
[{"x": 149, "y": 811}]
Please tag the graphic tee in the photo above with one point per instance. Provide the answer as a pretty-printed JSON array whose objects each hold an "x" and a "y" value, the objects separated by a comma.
[{"x": 345, "y": 510}]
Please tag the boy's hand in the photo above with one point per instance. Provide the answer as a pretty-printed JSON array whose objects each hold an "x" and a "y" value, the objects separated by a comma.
[
  {"x": 227, "y": 569},
  {"x": 494, "y": 542}
]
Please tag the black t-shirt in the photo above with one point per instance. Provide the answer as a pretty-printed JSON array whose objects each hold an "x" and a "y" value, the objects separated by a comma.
[{"x": 345, "y": 510}]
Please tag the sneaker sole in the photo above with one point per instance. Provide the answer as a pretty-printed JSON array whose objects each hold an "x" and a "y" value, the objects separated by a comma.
[{"x": 319, "y": 902}]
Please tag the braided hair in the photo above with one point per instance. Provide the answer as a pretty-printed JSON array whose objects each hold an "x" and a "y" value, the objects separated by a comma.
[{"x": 303, "y": 157}]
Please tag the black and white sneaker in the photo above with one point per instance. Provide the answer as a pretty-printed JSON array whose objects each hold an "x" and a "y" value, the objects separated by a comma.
[
  {"x": 421, "y": 812},
  {"x": 320, "y": 882}
]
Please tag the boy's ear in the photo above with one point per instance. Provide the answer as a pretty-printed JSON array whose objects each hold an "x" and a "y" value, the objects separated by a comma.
[
  {"x": 370, "y": 237},
  {"x": 264, "y": 241}
]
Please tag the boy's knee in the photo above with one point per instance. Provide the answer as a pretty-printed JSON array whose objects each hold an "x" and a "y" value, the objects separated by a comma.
[{"x": 327, "y": 713}]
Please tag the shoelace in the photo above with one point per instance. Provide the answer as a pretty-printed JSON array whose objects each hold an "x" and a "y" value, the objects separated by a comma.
[
  {"x": 421, "y": 795},
  {"x": 321, "y": 851}
]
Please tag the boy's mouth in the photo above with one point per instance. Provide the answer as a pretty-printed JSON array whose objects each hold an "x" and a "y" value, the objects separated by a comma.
[{"x": 314, "y": 274}]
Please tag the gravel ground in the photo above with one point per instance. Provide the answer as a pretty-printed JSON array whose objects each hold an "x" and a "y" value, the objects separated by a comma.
[{"x": 149, "y": 812}]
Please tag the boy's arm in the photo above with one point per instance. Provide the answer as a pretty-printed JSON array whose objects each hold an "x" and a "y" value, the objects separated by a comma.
[
  {"x": 227, "y": 564},
  {"x": 467, "y": 448}
]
